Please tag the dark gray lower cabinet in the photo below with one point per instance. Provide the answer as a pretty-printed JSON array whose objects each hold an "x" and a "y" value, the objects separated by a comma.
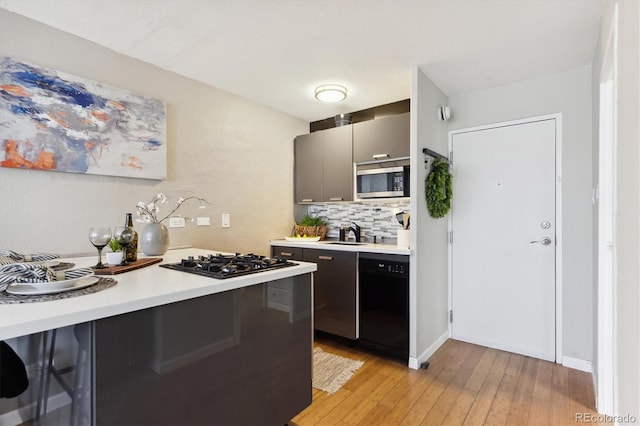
[
  {"x": 334, "y": 291},
  {"x": 334, "y": 287},
  {"x": 224, "y": 359}
]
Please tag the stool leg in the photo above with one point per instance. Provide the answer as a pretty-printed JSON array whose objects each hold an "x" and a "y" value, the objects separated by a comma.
[
  {"x": 82, "y": 387},
  {"x": 77, "y": 392},
  {"x": 48, "y": 375},
  {"x": 78, "y": 386},
  {"x": 45, "y": 373},
  {"x": 43, "y": 370}
]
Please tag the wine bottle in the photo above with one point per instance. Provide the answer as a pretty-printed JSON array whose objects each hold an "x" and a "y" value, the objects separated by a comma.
[{"x": 132, "y": 251}]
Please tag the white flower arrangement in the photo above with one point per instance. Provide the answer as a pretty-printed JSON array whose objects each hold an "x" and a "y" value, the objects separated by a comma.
[{"x": 148, "y": 212}]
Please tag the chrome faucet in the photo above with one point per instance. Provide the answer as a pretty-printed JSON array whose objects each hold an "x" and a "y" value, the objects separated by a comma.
[{"x": 356, "y": 231}]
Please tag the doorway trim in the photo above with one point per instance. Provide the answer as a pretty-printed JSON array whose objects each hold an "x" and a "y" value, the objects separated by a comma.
[{"x": 558, "y": 216}]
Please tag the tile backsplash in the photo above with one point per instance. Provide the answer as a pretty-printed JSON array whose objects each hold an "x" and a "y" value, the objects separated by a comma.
[{"x": 374, "y": 219}]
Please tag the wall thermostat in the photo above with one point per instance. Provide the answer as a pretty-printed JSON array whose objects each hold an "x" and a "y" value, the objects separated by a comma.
[{"x": 444, "y": 113}]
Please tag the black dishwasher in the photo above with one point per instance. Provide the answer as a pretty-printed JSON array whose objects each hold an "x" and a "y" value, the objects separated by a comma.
[{"x": 384, "y": 302}]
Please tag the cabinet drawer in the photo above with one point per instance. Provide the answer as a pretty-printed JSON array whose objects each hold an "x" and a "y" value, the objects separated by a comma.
[
  {"x": 289, "y": 253},
  {"x": 343, "y": 258}
]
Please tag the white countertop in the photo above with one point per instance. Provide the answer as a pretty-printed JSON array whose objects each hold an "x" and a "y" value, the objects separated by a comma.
[
  {"x": 138, "y": 289},
  {"x": 327, "y": 245}
]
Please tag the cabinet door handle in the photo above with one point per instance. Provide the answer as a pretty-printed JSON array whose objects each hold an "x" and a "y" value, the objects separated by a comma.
[
  {"x": 286, "y": 254},
  {"x": 336, "y": 199},
  {"x": 380, "y": 156},
  {"x": 307, "y": 200},
  {"x": 325, "y": 257}
]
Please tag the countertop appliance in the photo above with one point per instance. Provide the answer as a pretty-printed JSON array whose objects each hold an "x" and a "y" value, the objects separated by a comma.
[
  {"x": 382, "y": 182},
  {"x": 223, "y": 266},
  {"x": 384, "y": 303}
]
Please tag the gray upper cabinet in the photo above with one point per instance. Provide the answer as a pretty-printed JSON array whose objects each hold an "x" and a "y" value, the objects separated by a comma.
[
  {"x": 337, "y": 164},
  {"x": 324, "y": 166},
  {"x": 308, "y": 168},
  {"x": 382, "y": 138}
]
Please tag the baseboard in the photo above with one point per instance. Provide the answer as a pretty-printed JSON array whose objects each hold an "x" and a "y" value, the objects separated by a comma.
[
  {"x": 414, "y": 363},
  {"x": 577, "y": 364}
]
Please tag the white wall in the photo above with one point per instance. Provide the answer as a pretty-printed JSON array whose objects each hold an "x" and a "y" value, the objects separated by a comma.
[
  {"x": 429, "y": 261},
  {"x": 627, "y": 214},
  {"x": 235, "y": 153},
  {"x": 568, "y": 93}
]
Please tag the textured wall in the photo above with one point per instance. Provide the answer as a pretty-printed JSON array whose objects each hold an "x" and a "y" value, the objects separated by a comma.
[{"x": 235, "y": 153}]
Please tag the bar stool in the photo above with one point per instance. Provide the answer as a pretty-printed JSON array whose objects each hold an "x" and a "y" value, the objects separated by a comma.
[{"x": 79, "y": 390}]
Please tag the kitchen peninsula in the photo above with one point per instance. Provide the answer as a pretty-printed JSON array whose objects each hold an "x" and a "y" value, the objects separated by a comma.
[{"x": 177, "y": 348}]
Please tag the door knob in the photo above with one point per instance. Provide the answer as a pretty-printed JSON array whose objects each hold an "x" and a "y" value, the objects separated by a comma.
[{"x": 545, "y": 241}]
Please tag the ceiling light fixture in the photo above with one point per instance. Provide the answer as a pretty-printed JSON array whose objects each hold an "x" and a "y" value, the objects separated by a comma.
[{"x": 331, "y": 93}]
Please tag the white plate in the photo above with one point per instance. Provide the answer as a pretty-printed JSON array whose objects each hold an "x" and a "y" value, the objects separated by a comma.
[
  {"x": 31, "y": 289},
  {"x": 58, "y": 284},
  {"x": 303, "y": 239},
  {"x": 46, "y": 263}
]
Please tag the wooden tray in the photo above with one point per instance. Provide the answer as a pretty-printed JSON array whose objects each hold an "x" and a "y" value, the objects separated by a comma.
[{"x": 140, "y": 263}]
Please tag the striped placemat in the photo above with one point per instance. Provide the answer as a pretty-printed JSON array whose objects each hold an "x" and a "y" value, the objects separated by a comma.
[{"x": 102, "y": 284}]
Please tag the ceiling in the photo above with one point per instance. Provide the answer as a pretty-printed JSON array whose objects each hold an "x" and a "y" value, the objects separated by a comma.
[{"x": 276, "y": 52}]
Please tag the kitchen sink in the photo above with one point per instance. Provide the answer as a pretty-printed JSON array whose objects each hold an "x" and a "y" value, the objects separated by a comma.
[{"x": 346, "y": 243}]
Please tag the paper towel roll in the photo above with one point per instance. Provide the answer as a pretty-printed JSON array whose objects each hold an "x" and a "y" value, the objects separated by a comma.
[{"x": 404, "y": 238}]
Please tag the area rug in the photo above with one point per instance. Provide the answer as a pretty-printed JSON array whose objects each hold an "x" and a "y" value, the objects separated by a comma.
[{"x": 331, "y": 371}]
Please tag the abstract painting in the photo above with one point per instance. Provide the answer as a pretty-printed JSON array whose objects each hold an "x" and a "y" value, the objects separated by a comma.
[{"x": 50, "y": 120}]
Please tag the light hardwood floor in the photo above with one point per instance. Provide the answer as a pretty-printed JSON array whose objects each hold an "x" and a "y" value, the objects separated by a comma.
[{"x": 464, "y": 384}]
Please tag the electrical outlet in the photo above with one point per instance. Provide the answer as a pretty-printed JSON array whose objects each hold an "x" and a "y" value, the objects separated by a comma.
[
  {"x": 226, "y": 220},
  {"x": 204, "y": 221},
  {"x": 177, "y": 222}
]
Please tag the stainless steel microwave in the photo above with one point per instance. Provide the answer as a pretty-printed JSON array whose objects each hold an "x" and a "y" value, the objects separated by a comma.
[{"x": 383, "y": 182}]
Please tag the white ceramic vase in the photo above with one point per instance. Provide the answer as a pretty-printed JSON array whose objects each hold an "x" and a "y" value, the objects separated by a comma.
[
  {"x": 154, "y": 239},
  {"x": 114, "y": 258}
]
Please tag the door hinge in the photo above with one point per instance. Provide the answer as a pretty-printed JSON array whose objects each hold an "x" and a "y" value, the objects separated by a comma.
[
  {"x": 450, "y": 237},
  {"x": 451, "y": 316},
  {"x": 450, "y": 157}
]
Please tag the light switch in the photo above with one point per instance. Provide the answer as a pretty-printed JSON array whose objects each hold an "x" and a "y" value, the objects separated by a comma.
[
  {"x": 177, "y": 222},
  {"x": 204, "y": 221},
  {"x": 226, "y": 220}
]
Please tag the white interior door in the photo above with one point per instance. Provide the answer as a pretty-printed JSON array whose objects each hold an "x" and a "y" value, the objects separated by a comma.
[{"x": 504, "y": 237}]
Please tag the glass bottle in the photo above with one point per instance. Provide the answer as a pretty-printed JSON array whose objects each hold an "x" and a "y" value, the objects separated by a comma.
[{"x": 132, "y": 251}]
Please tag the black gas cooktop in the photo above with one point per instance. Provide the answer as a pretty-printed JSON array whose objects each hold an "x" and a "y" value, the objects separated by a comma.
[{"x": 223, "y": 266}]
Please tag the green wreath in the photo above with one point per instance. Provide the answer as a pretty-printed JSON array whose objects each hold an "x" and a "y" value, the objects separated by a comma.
[{"x": 438, "y": 190}]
